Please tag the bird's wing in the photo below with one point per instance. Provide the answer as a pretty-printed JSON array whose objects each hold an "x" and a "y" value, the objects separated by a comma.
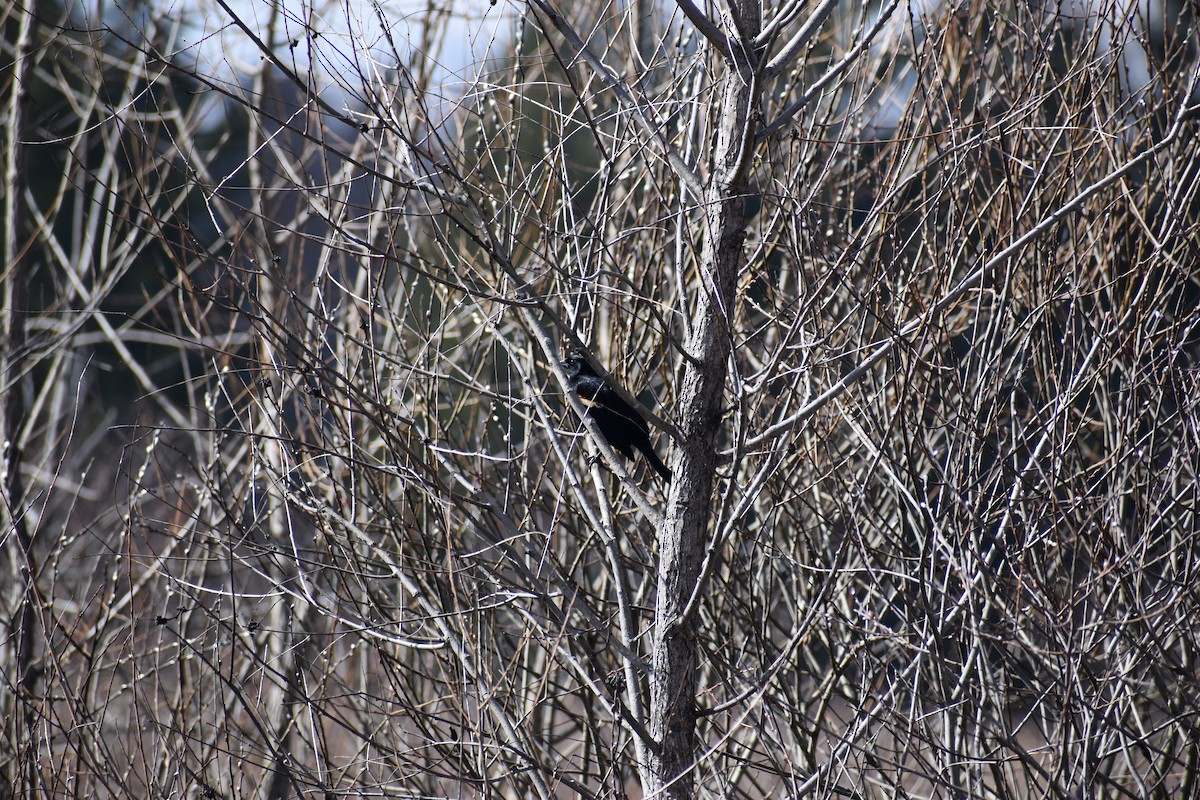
[{"x": 613, "y": 402}]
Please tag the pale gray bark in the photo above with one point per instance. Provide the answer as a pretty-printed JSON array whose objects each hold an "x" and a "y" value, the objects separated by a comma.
[
  {"x": 18, "y": 636},
  {"x": 698, "y": 412}
]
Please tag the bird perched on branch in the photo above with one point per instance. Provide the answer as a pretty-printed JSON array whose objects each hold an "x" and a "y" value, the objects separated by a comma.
[{"x": 622, "y": 426}]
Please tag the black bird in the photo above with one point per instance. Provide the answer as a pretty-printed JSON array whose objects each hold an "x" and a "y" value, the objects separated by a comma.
[{"x": 622, "y": 426}]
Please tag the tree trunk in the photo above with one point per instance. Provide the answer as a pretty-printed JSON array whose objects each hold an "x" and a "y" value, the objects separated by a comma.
[
  {"x": 681, "y": 547},
  {"x": 17, "y": 657}
]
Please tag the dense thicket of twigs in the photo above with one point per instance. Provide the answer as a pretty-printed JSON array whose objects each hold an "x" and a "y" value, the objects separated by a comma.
[{"x": 347, "y": 537}]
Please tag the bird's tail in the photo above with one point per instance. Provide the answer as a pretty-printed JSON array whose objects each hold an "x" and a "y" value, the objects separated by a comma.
[{"x": 657, "y": 463}]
